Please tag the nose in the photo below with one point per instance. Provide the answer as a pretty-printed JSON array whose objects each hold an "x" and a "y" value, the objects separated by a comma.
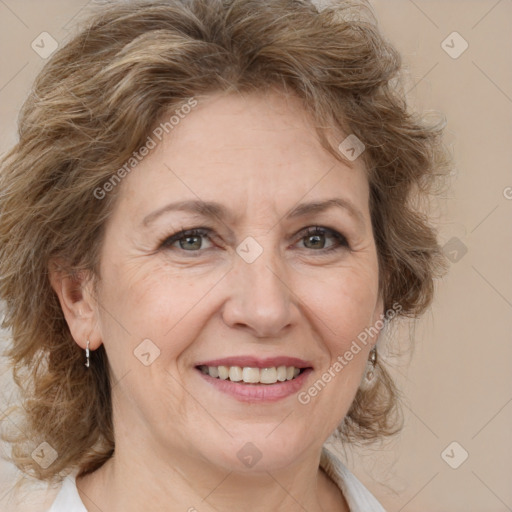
[{"x": 260, "y": 299}]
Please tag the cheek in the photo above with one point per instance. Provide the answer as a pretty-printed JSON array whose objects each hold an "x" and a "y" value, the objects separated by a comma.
[
  {"x": 345, "y": 304},
  {"x": 154, "y": 302},
  {"x": 345, "y": 308},
  {"x": 164, "y": 307}
]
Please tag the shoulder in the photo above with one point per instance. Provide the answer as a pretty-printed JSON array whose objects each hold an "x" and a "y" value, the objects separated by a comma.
[{"x": 358, "y": 497}]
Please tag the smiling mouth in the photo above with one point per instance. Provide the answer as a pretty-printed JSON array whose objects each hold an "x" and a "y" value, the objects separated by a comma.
[{"x": 251, "y": 375}]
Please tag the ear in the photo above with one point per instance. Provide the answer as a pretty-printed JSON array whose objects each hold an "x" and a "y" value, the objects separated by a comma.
[{"x": 78, "y": 303}]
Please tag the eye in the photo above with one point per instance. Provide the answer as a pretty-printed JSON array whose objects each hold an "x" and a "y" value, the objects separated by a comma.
[
  {"x": 190, "y": 240},
  {"x": 315, "y": 237}
]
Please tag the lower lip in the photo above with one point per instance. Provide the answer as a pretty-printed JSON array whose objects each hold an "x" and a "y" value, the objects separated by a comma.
[{"x": 258, "y": 392}]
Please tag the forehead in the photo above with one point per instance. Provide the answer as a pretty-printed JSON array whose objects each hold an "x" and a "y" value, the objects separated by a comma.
[{"x": 259, "y": 149}]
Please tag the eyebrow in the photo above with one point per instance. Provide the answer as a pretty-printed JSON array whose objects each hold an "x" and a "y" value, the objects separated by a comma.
[{"x": 212, "y": 209}]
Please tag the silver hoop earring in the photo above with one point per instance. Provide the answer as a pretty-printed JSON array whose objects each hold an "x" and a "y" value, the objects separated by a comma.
[
  {"x": 87, "y": 361},
  {"x": 372, "y": 358}
]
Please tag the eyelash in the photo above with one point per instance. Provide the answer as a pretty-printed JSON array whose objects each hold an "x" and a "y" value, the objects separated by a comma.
[{"x": 341, "y": 241}]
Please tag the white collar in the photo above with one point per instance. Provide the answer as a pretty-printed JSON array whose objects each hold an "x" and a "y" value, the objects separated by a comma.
[{"x": 358, "y": 497}]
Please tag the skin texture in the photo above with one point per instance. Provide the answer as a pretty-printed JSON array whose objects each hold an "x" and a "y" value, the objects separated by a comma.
[{"x": 177, "y": 437}]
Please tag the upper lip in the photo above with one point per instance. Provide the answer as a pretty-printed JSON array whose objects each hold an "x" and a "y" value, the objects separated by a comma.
[{"x": 258, "y": 362}]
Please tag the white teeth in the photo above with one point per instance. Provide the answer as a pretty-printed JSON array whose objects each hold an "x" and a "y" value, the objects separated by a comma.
[
  {"x": 223, "y": 372},
  {"x": 251, "y": 375},
  {"x": 268, "y": 376},
  {"x": 235, "y": 373}
]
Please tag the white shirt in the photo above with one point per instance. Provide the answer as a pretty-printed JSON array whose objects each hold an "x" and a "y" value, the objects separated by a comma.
[{"x": 359, "y": 498}]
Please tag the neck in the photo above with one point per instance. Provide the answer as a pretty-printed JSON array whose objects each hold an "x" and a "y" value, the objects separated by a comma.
[{"x": 133, "y": 481}]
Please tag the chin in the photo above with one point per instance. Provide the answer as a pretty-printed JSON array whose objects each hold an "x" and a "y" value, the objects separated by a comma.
[{"x": 258, "y": 449}]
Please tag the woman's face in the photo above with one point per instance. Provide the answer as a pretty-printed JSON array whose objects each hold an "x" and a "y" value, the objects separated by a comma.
[{"x": 250, "y": 288}]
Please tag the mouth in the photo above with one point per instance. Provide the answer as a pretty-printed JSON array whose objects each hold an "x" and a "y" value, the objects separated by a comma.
[
  {"x": 250, "y": 379},
  {"x": 252, "y": 375}
]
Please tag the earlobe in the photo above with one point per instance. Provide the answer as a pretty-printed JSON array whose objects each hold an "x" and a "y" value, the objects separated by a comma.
[{"x": 78, "y": 306}]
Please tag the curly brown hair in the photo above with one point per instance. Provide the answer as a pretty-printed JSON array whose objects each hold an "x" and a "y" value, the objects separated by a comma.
[{"x": 94, "y": 104}]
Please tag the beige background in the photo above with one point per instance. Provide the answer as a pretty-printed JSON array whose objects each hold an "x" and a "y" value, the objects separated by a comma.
[{"x": 457, "y": 384}]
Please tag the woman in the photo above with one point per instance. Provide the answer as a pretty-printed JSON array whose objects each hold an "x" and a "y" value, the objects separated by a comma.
[{"x": 204, "y": 227}]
